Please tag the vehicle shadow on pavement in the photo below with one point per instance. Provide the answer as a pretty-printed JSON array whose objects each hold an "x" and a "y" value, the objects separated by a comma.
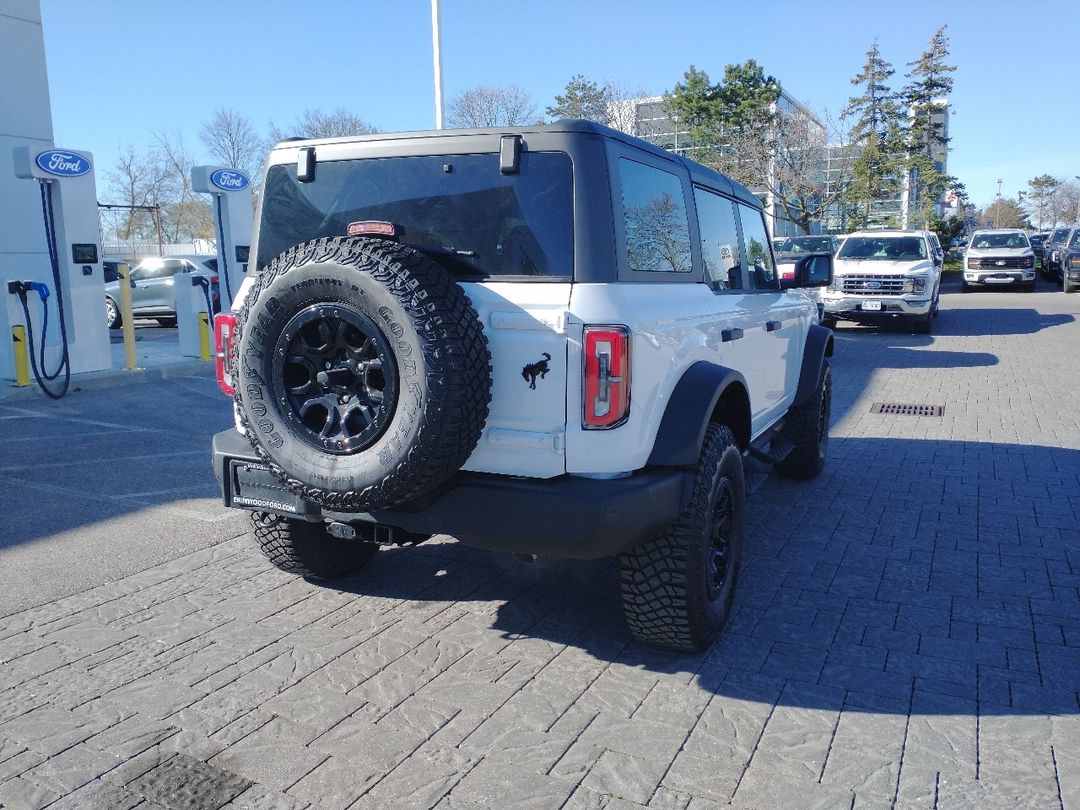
[
  {"x": 912, "y": 576},
  {"x": 959, "y": 321}
]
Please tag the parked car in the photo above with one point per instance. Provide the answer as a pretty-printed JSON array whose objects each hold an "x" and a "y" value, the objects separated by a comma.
[
  {"x": 1058, "y": 239},
  {"x": 883, "y": 276},
  {"x": 109, "y": 269},
  {"x": 1069, "y": 262},
  {"x": 1038, "y": 243},
  {"x": 153, "y": 293},
  {"x": 936, "y": 249},
  {"x": 789, "y": 249},
  {"x": 999, "y": 257},
  {"x": 805, "y": 244}
]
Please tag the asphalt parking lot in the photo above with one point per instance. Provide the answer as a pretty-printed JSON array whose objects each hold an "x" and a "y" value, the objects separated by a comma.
[{"x": 906, "y": 632}]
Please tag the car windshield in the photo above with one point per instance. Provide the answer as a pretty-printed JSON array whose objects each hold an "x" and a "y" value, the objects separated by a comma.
[
  {"x": 883, "y": 248},
  {"x": 1075, "y": 241},
  {"x": 460, "y": 209},
  {"x": 1058, "y": 235},
  {"x": 804, "y": 244},
  {"x": 982, "y": 241}
]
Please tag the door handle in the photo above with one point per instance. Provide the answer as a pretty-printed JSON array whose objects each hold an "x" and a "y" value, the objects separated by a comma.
[
  {"x": 772, "y": 326},
  {"x": 734, "y": 333}
]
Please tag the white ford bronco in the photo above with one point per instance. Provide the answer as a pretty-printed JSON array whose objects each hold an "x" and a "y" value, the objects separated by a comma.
[{"x": 557, "y": 340}]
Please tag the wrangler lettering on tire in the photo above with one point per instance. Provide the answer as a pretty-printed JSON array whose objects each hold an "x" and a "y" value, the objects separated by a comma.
[{"x": 368, "y": 373}]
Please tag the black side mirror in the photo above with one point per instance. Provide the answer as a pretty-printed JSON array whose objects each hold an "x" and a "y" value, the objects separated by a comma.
[{"x": 811, "y": 270}]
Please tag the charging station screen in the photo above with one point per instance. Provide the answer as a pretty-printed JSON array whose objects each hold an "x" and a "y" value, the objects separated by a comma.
[{"x": 84, "y": 254}]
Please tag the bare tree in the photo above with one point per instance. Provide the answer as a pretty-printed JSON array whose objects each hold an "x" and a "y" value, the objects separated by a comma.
[
  {"x": 137, "y": 180},
  {"x": 491, "y": 107},
  {"x": 231, "y": 141},
  {"x": 798, "y": 180},
  {"x": 622, "y": 106},
  {"x": 186, "y": 216},
  {"x": 316, "y": 124}
]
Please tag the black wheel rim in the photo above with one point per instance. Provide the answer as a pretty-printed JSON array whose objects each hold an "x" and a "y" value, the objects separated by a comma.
[
  {"x": 823, "y": 419},
  {"x": 720, "y": 530},
  {"x": 337, "y": 378}
]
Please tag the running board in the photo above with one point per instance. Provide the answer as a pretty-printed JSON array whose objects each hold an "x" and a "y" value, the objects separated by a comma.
[{"x": 771, "y": 447}]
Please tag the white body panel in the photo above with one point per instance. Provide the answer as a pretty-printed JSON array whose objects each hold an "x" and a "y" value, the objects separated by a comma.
[
  {"x": 673, "y": 327},
  {"x": 526, "y": 425}
]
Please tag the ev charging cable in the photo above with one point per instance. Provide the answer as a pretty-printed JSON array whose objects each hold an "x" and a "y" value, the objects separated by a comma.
[
  {"x": 37, "y": 359},
  {"x": 224, "y": 259}
]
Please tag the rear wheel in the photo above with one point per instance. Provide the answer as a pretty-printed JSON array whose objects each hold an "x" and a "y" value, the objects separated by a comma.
[
  {"x": 807, "y": 426},
  {"x": 1068, "y": 286},
  {"x": 112, "y": 314},
  {"x": 308, "y": 549},
  {"x": 677, "y": 589}
]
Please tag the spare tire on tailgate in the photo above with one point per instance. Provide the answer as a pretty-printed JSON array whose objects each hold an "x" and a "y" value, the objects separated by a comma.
[{"x": 363, "y": 374}]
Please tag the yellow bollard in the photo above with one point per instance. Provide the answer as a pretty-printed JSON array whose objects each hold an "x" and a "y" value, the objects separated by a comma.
[
  {"x": 127, "y": 327},
  {"x": 204, "y": 336},
  {"x": 22, "y": 363}
]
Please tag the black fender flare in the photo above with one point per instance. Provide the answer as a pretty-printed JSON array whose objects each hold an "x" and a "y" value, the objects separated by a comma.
[
  {"x": 690, "y": 410},
  {"x": 819, "y": 345}
]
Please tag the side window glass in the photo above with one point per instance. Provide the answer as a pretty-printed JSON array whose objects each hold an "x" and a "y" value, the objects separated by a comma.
[
  {"x": 719, "y": 240},
  {"x": 761, "y": 274},
  {"x": 654, "y": 210}
]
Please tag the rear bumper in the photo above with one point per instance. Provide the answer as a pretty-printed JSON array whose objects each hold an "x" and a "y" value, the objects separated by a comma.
[{"x": 568, "y": 516}]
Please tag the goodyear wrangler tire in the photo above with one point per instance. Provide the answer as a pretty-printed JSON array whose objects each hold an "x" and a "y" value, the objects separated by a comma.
[
  {"x": 677, "y": 589},
  {"x": 363, "y": 373}
]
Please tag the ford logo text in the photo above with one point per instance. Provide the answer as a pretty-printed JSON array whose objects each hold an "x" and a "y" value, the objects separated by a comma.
[
  {"x": 63, "y": 164},
  {"x": 229, "y": 180}
]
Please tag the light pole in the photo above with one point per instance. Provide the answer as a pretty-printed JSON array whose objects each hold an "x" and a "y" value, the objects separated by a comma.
[
  {"x": 997, "y": 206},
  {"x": 1077, "y": 176},
  {"x": 436, "y": 42}
]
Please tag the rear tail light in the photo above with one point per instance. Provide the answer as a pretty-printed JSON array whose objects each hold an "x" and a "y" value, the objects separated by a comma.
[
  {"x": 606, "y": 387},
  {"x": 224, "y": 331}
]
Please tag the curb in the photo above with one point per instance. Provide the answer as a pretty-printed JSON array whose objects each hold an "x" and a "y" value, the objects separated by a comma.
[{"x": 114, "y": 378}]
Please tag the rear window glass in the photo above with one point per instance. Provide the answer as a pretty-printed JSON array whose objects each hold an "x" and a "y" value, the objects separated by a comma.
[
  {"x": 459, "y": 209},
  {"x": 657, "y": 228}
]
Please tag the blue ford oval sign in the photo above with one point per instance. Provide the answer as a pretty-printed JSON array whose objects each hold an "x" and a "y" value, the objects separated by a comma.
[
  {"x": 229, "y": 180},
  {"x": 63, "y": 164}
]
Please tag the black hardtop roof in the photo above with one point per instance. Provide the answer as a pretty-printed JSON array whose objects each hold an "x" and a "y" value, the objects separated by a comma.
[{"x": 570, "y": 126}]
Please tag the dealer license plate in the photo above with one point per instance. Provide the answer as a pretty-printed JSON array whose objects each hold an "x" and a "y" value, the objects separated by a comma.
[{"x": 871, "y": 306}]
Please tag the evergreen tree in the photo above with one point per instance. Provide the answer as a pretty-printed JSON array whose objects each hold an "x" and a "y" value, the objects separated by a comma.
[
  {"x": 876, "y": 134},
  {"x": 695, "y": 106},
  {"x": 582, "y": 99},
  {"x": 731, "y": 123},
  {"x": 925, "y": 95}
]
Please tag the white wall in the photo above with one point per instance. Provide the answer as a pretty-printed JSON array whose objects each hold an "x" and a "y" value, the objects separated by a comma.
[{"x": 25, "y": 119}]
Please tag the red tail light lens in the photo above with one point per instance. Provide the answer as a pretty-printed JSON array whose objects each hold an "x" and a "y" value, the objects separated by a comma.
[
  {"x": 224, "y": 330},
  {"x": 607, "y": 377}
]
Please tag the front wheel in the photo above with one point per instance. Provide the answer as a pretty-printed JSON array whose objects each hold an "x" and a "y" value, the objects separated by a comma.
[
  {"x": 308, "y": 549},
  {"x": 677, "y": 589},
  {"x": 1067, "y": 286}
]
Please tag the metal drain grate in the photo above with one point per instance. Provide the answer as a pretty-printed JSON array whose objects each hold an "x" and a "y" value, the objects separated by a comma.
[{"x": 902, "y": 409}]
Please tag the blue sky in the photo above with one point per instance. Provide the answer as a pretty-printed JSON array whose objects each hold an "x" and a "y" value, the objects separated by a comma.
[{"x": 122, "y": 69}]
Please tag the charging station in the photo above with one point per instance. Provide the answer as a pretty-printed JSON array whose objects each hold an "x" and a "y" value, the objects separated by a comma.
[
  {"x": 233, "y": 218},
  {"x": 64, "y": 294},
  {"x": 194, "y": 315}
]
